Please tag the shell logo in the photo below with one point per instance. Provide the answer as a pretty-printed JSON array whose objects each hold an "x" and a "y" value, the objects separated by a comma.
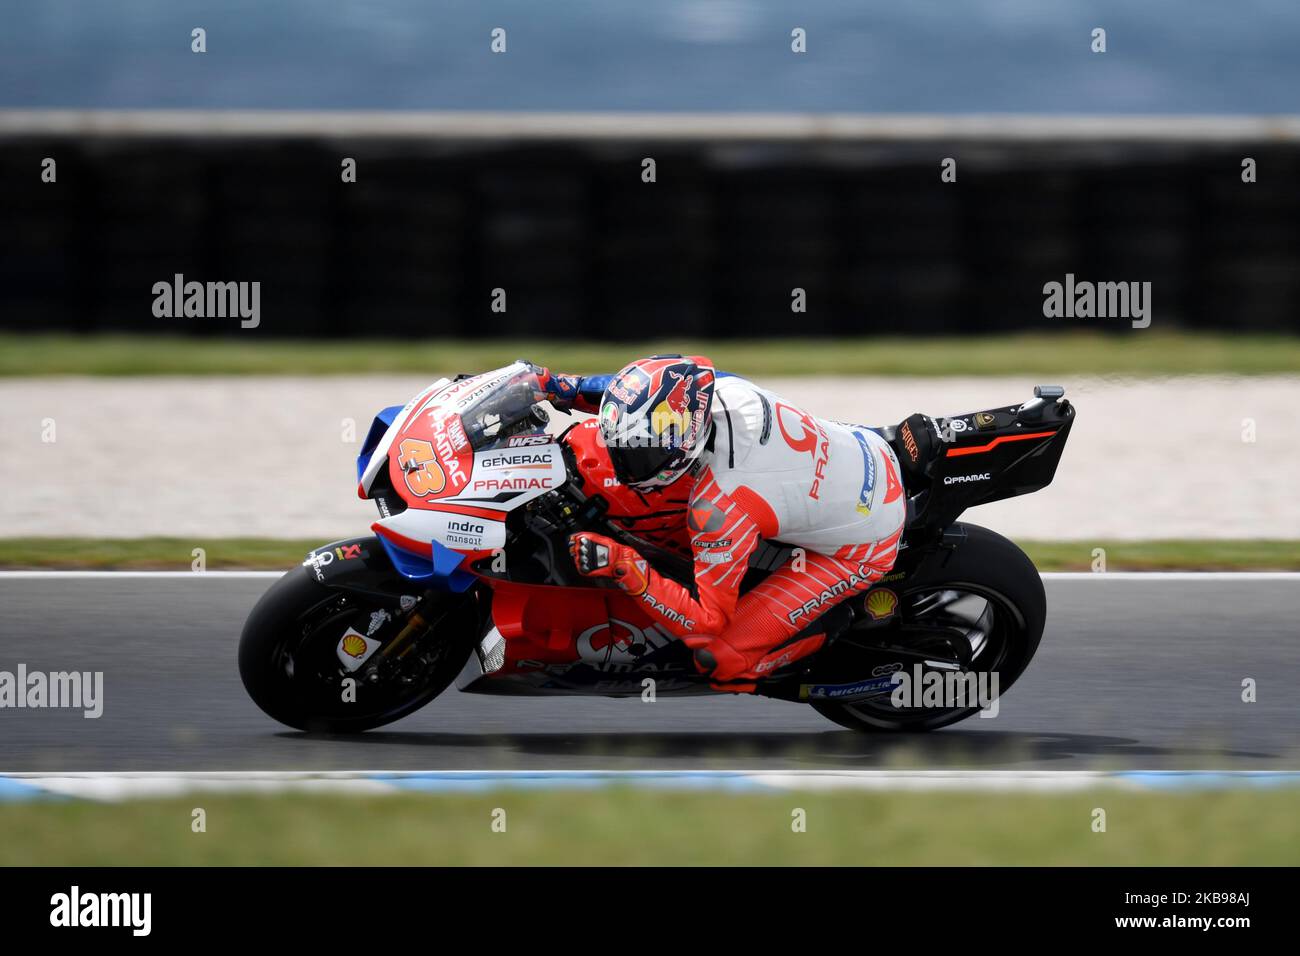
[
  {"x": 881, "y": 603},
  {"x": 354, "y": 646}
]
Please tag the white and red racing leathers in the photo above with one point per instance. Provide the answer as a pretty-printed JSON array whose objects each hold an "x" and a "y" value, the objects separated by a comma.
[{"x": 831, "y": 490}]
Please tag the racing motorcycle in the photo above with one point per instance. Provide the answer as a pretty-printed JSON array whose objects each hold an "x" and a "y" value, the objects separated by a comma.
[{"x": 467, "y": 577}]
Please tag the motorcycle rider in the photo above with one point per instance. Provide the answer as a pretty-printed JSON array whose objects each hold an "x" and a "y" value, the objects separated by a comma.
[{"x": 751, "y": 466}]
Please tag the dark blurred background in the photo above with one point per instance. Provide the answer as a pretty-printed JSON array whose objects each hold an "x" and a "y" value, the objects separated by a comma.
[
  {"x": 584, "y": 248},
  {"x": 564, "y": 222}
]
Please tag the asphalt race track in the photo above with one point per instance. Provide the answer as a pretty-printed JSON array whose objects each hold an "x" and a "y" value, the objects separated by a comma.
[{"x": 1132, "y": 674}]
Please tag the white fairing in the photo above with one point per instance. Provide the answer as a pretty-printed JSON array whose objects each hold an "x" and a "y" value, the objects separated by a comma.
[
  {"x": 456, "y": 396},
  {"x": 501, "y": 480},
  {"x": 458, "y": 532},
  {"x": 501, "y": 475},
  {"x": 505, "y": 478}
]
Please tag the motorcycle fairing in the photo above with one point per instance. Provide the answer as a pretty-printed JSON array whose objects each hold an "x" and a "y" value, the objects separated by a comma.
[
  {"x": 433, "y": 564},
  {"x": 366, "y": 565},
  {"x": 582, "y": 641},
  {"x": 452, "y": 397},
  {"x": 374, "y": 452},
  {"x": 458, "y": 471},
  {"x": 502, "y": 479},
  {"x": 498, "y": 480},
  {"x": 954, "y": 463},
  {"x": 378, "y": 429}
]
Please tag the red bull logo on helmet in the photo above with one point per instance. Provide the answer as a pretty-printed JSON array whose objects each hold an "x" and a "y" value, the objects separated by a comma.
[
  {"x": 674, "y": 411},
  {"x": 678, "y": 403},
  {"x": 629, "y": 386},
  {"x": 654, "y": 440}
]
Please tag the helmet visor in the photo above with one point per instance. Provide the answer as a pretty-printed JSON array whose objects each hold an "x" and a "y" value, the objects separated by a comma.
[{"x": 634, "y": 463}]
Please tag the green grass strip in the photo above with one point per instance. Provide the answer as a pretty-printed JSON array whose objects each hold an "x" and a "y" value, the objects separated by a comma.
[
  {"x": 176, "y": 554},
  {"x": 1039, "y": 355},
  {"x": 627, "y": 826}
]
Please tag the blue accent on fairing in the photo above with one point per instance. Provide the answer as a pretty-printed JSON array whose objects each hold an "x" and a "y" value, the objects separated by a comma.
[
  {"x": 447, "y": 567},
  {"x": 380, "y": 425},
  {"x": 408, "y": 564},
  {"x": 443, "y": 571}
]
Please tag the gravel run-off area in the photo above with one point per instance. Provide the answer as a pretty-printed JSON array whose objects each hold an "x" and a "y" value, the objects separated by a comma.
[{"x": 274, "y": 457}]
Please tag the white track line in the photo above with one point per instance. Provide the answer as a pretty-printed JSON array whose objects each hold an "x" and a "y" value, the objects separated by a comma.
[
  {"x": 1046, "y": 576},
  {"x": 112, "y": 786}
]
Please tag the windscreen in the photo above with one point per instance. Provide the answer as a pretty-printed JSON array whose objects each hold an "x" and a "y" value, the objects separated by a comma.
[{"x": 508, "y": 408}]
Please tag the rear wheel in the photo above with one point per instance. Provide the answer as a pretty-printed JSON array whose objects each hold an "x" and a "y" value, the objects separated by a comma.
[
  {"x": 979, "y": 613},
  {"x": 292, "y": 653}
]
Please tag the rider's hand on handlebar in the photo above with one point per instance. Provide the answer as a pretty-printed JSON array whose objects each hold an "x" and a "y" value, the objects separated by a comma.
[{"x": 597, "y": 556}]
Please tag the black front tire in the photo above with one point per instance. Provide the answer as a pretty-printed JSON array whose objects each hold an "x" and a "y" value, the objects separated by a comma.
[{"x": 280, "y": 631}]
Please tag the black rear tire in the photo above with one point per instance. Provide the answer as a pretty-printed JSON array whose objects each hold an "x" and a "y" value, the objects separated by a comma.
[
  {"x": 988, "y": 565},
  {"x": 280, "y": 631}
]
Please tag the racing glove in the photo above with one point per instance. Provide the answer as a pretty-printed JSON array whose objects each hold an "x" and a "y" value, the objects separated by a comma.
[
  {"x": 597, "y": 556},
  {"x": 565, "y": 392}
]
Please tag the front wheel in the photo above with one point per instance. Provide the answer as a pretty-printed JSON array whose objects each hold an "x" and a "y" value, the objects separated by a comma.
[
  {"x": 303, "y": 641},
  {"x": 978, "y": 613}
]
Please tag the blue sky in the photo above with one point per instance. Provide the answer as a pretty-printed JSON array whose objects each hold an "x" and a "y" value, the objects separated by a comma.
[{"x": 942, "y": 56}]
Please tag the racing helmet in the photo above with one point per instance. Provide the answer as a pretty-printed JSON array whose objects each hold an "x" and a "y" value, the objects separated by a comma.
[{"x": 655, "y": 418}]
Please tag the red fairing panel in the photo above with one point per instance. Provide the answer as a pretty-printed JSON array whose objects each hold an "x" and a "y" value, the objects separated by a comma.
[
  {"x": 432, "y": 458},
  {"x": 553, "y": 625}
]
